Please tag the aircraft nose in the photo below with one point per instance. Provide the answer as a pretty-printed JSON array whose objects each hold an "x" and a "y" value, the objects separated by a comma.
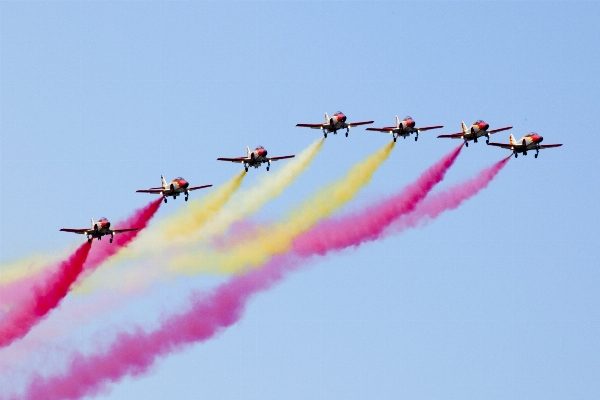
[
  {"x": 485, "y": 127},
  {"x": 411, "y": 124},
  {"x": 186, "y": 185},
  {"x": 344, "y": 118},
  {"x": 264, "y": 153},
  {"x": 540, "y": 138},
  {"x": 107, "y": 225}
]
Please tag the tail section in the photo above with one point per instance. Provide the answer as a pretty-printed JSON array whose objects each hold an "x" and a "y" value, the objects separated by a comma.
[
  {"x": 326, "y": 118},
  {"x": 248, "y": 151},
  {"x": 512, "y": 140},
  {"x": 164, "y": 183},
  {"x": 464, "y": 128},
  {"x": 397, "y": 122},
  {"x": 92, "y": 223}
]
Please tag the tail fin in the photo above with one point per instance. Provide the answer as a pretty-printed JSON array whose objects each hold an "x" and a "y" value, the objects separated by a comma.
[
  {"x": 248, "y": 151},
  {"x": 397, "y": 122},
  {"x": 92, "y": 223},
  {"x": 326, "y": 118},
  {"x": 464, "y": 127},
  {"x": 164, "y": 183},
  {"x": 512, "y": 139}
]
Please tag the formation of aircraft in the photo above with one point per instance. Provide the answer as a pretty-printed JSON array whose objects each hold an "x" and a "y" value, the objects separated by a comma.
[
  {"x": 335, "y": 123},
  {"x": 404, "y": 128},
  {"x": 255, "y": 158},
  {"x": 478, "y": 129},
  {"x": 174, "y": 189},
  {"x": 531, "y": 141},
  {"x": 99, "y": 229}
]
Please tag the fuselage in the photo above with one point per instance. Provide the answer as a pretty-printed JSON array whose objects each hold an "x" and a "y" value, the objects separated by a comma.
[
  {"x": 257, "y": 157},
  {"x": 176, "y": 187},
  {"x": 337, "y": 121},
  {"x": 477, "y": 130},
  {"x": 527, "y": 142},
  {"x": 100, "y": 228}
]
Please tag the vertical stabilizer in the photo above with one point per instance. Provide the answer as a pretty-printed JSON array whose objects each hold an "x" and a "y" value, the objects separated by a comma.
[
  {"x": 464, "y": 127},
  {"x": 164, "y": 183},
  {"x": 326, "y": 118},
  {"x": 92, "y": 223},
  {"x": 248, "y": 151},
  {"x": 512, "y": 140},
  {"x": 397, "y": 122}
]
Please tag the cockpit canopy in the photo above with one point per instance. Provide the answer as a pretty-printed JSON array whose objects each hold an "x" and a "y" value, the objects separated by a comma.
[
  {"x": 103, "y": 219},
  {"x": 338, "y": 113},
  {"x": 179, "y": 179},
  {"x": 259, "y": 148},
  {"x": 480, "y": 121},
  {"x": 407, "y": 118},
  {"x": 532, "y": 134}
]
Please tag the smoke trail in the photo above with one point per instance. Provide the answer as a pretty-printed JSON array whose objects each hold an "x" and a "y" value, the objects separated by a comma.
[
  {"x": 44, "y": 298},
  {"x": 56, "y": 285},
  {"x": 448, "y": 199},
  {"x": 133, "y": 353},
  {"x": 277, "y": 237},
  {"x": 338, "y": 233}
]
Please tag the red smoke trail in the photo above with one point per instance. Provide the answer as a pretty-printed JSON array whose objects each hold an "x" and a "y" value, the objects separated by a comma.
[
  {"x": 449, "y": 199},
  {"x": 54, "y": 286},
  {"x": 368, "y": 224},
  {"x": 46, "y": 296},
  {"x": 133, "y": 353}
]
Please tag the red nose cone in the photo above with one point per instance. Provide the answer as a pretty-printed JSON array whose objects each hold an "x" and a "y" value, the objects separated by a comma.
[
  {"x": 264, "y": 153},
  {"x": 410, "y": 123},
  {"x": 483, "y": 126}
]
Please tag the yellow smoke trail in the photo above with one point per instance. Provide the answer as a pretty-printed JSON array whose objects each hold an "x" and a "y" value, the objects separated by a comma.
[
  {"x": 277, "y": 238},
  {"x": 241, "y": 205}
]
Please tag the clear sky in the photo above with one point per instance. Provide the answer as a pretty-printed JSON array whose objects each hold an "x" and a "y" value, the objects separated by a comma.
[{"x": 498, "y": 299}]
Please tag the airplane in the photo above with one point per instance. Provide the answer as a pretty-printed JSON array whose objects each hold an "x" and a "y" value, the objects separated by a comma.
[
  {"x": 531, "y": 141},
  {"x": 99, "y": 229},
  {"x": 255, "y": 158},
  {"x": 177, "y": 186},
  {"x": 337, "y": 121},
  {"x": 404, "y": 128},
  {"x": 478, "y": 129}
]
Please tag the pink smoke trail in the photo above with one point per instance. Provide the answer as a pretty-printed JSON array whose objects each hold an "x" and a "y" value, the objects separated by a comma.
[
  {"x": 19, "y": 320},
  {"x": 449, "y": 199},
  {"x": 53, "y": 287},
  {"x": 133, "y": 353},
  {"x": 368, "y": 224}
]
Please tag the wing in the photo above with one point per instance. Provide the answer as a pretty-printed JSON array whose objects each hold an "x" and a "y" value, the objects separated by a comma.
[
  {"x": 124, "y": 230},
  {"x": 453, "y": 136},
  {"x": 312, "y": 126},
  {"x": 548, "y": 146},
  {"x": 500, "y": 129},
  {"x": 80, "y": 231},
  {"x": 427, "y": 128},
  {"x": 387, "y": 129},
  {"x": 503, "y": 145},
  {"x": 351, "y": 124},
  {"x": 280, "y": 157},
  {"x": 155, "y": 191},
  {"x": 199, "y": 187},
  {"x": 235, "y": 160}
]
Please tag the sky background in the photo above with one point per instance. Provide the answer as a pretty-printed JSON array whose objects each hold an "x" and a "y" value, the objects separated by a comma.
[{"x": 497, "y": 299}]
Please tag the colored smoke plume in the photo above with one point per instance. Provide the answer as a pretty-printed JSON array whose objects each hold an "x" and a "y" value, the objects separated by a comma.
[
  {"x": 449, "y": 199},
  {"x": 44, "y": 297},
  {"x": 276, "y": 238},
  {"x": 209, "y": 314},
  {"x": 368, "y": 224},
  {"x": 55, "y": 285}
]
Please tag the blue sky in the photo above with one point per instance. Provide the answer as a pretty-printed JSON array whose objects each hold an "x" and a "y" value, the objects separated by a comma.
[{"x": 496, "y": 299}]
